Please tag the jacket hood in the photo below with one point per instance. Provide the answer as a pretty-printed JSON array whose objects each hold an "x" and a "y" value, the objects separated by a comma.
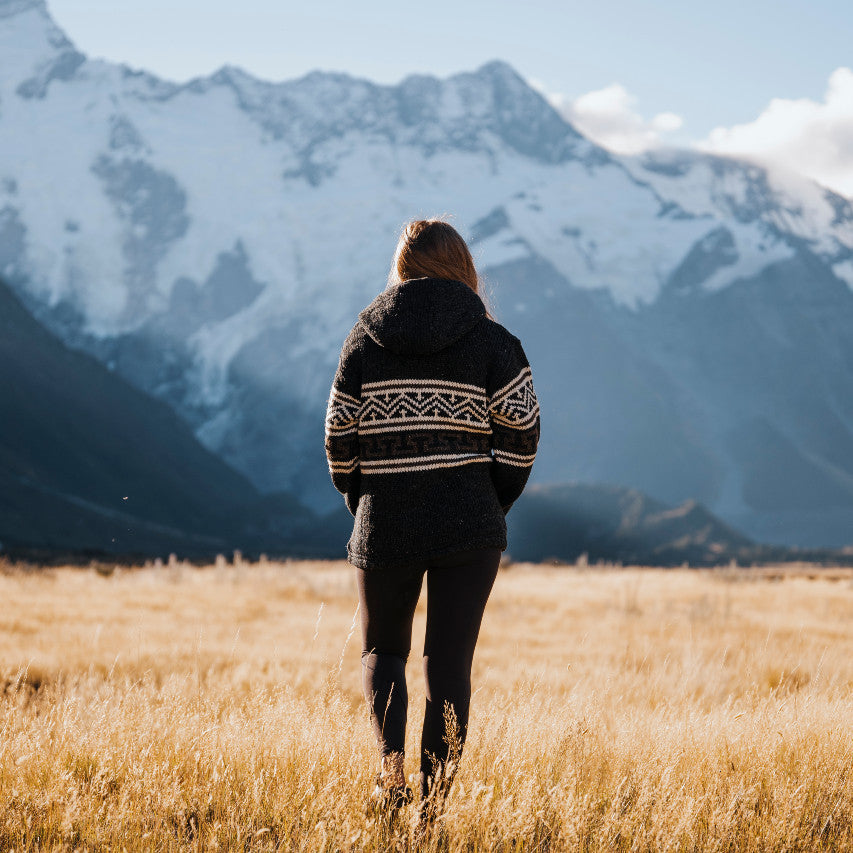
[{"x": 422, "y": 315}]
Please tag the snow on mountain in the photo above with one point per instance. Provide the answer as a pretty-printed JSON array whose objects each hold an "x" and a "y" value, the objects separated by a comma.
[
  {"x": 778, "y": 204},
  {"x": 212, "y": 242}
]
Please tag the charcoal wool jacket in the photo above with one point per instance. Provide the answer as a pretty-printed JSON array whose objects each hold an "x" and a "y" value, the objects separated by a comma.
[{"x": 432, "y": 425}]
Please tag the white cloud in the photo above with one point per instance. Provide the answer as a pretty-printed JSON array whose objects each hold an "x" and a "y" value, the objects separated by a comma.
[
  {"x": 811, "y": 137},
  {"x": 608, "y": 117}
]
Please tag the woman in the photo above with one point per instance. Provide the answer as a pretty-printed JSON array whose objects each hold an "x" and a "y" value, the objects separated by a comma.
[{"x": 431, "y": 431}]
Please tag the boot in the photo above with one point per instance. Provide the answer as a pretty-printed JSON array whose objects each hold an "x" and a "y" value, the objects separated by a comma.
[{"x": 391, "y": 791}]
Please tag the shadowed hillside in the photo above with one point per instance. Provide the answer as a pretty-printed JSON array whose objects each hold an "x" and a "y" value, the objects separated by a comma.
[{"x": 89, "y": 462}]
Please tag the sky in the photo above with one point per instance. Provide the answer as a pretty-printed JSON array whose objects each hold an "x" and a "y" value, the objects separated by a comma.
[{"x": 754, "y": 77}]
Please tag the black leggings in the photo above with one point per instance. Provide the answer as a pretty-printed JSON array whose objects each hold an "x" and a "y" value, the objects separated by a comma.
[{"x": 458, "y": 588}]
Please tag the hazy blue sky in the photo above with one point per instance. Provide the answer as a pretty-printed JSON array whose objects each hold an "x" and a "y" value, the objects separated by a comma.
[{"x": 711, "y": 63}]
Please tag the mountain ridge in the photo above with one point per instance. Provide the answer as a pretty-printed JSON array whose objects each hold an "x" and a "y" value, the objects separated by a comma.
[{"x": 212, "y": 243}]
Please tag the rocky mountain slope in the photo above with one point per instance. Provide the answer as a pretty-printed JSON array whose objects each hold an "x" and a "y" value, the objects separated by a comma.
[
  {"x": 599, "y": 523},
  {"x": 685, "y": 315}
]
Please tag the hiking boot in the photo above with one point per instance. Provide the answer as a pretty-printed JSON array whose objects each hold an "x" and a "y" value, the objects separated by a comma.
[{"x": 391, "y": 792}]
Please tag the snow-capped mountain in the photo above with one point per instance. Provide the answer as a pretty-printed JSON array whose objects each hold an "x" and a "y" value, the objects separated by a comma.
[{"x": 686, "y": 316}]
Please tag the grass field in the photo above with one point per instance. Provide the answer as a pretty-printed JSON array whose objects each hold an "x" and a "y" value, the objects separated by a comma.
[{"x": 219, "y": 708}]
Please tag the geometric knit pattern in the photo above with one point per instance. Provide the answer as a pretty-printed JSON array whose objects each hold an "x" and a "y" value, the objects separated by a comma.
[
  {"x": 403, "y": 426},
  {"x": 341, "y": 432},
  {"x": 515, "y": 404},
  {"x": 342, "y": 413},
  {"x": 514, "y": 411},
  {"x": 411, "y": 403},
  {"x": 408, "y": 420},
  {"x": 430, "y": 408}
]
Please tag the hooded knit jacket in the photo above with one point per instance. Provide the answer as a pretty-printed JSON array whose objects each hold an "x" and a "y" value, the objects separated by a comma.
[{"x": 432, "y": 425}]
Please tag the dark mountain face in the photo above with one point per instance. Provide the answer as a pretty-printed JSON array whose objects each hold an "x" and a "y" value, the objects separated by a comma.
[
  {"x": 741, "y": 398},
  {"x": 611, "y": 414},
  {"x": 87, "y": 461},
  {"x": 768, "y": 367}
]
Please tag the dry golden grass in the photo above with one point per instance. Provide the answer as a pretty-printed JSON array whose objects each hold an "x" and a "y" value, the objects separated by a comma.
[{"x": 647, "y": 710}]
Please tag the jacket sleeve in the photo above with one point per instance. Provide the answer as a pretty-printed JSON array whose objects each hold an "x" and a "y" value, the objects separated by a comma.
[
  {"x": 514, "y": 419},
  {"x": 342, "y": 414}
]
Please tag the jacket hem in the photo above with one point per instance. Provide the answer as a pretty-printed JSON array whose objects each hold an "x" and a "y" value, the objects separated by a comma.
[{"x": 370, "y": 563}]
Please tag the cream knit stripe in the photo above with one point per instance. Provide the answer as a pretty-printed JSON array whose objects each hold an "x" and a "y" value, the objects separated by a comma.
[
  {"x": 332, "y": 430},
  {"x": 521, "y": 456},
  {"x": 422, "y": 396},
  {"x": 401, "y": 425},
  {"x": 406, "y": 459},
  {"x": 423, "y": 384},
  {"x": 367, "y": 469},
  {"x": 506, "y": 458},
  {"x": 512, "y": 420},
  {"x": 336, "y": 392},
  {"x": 422, "y": 463}
]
